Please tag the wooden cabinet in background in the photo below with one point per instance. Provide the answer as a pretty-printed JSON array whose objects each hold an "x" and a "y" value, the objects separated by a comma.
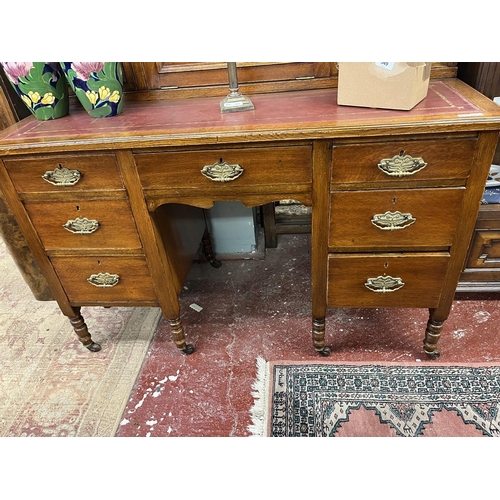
[
  {"x": 482, "y": 268},
  {"x": 172, "y": 80}
]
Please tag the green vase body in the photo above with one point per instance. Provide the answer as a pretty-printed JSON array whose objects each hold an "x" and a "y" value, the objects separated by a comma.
[
  {"x": 41, "y": 86},
  {"x": 98, "y": 86}
]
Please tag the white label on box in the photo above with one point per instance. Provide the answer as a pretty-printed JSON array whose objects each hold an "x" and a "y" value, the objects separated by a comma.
[{"x": 386, "y": 65}]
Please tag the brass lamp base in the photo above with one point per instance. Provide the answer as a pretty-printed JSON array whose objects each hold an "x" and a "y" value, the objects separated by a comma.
[{"x": 235, "y": 102}]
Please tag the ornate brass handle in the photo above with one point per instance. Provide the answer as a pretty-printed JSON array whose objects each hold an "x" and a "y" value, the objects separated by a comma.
[
  {"x": 391, "y": 221},
  {"x": 62, "y": 176},
  {"x": 104, "y": 280},
  {"x": 401, "y": 165},
  {"x": 222, "y": 171},
  {"x": 82, "y": 225},
  {"x": 384, "y": 284}
]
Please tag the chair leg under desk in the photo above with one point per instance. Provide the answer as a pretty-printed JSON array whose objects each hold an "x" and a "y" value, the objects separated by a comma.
[
  {"x": 283, "y": 223},
  {"x": 269, "y": 223},
  {"x": 206, "y": 245},
  {"x": 208, "y": 250}
]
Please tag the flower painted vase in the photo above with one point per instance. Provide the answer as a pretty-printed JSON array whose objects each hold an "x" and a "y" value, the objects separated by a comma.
[
  {"x": 98, "y": 86},
  {"x": 41, "y": 86}
]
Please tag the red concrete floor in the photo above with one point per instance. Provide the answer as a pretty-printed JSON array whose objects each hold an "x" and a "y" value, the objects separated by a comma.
[{"x": 254, "y": 308}]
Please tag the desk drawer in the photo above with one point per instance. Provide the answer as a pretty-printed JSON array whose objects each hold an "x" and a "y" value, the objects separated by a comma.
[
  {"x": 130, "y": 280},
  {"x": 227, "y": 169},
  {"x": 448, "y": 159},
  {"x": 406, "y": 218},
  {"x": 86, "y": 172},
  {"x": 417, "y": 279},
  {"x": 89, "y": 224}
]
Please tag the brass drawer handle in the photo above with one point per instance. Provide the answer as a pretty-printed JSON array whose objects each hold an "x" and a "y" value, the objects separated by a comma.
[
  {"x": 391, "y": 221},
  {"x": 384, "y": 284},
  {"x": 81, "y": 225},
  {"x": 222, "y": 171},
  {"x": 401, "y": 165},
  {"x": 104, "y": 280},
  {"x": 62, "y": 176}
]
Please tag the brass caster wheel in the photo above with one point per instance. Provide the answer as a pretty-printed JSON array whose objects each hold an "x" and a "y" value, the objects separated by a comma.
[
  {"x": 93, "y": 347},
  {"x": 434, "y": 354},
  {"x": 189, "y": 349},
  {"x": 325, "y": 351}
]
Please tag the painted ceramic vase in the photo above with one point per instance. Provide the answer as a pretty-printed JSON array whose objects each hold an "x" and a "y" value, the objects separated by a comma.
[
  {"x": 41, "y": 86},
  {"x": 98, "y": 86}
]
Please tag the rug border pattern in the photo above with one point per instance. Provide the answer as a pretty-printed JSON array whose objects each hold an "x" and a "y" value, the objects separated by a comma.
[{"x": 319, "y": 407}]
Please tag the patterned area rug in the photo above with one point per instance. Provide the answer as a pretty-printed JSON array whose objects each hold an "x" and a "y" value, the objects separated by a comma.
[
  {"x": 374, "y": 400},
  {"x": 50, "y": 385}
]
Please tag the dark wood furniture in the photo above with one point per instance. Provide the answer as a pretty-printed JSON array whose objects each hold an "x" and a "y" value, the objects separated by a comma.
[
  {"x": 482, "y": 267},
  {"x": 137, "y": 184}
]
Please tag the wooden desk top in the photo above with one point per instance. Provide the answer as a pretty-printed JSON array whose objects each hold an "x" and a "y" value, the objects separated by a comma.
[{"x": 450, "y": 105}]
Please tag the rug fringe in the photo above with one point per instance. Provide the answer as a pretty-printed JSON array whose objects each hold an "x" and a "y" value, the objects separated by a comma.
[{"x": 260, "y": 389}]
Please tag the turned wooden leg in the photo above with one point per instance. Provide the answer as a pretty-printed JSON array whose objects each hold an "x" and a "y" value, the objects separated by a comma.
[
  {"x": 208, "y": 251},
  {"x": 177, "y": 331},
  {"x": 82, "y": 332},
  {"x": 432, "y": 334},
  {"x": 319, "y": 336}
]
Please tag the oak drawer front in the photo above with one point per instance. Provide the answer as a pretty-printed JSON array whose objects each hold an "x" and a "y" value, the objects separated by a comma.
[
  {"x": 89, "y": 224},
  {"x": 406, "y": 218},
  {"x": 116, "y": 279},
  {"x": 386, "y": 280},
  {"x": 277, "y": 166},
  {"x": 443, "y": 159},
  {"x": 77, "y": 172}
]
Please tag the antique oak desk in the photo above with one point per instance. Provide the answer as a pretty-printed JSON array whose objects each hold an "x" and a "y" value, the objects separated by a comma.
[{"x": 112, "y": 208}]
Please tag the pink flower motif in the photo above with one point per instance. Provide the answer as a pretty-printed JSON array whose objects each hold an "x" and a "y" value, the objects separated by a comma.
[
  {"x": 84, "y": 69},
  {"x": 16, "y": 69}
]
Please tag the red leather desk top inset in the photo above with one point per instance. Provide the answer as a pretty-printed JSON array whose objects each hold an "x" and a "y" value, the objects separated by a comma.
[{"x": 185, "y": 117}]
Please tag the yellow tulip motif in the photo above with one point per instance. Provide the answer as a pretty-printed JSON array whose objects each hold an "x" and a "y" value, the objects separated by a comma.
[
  {"x": 26, "y": 100},
  {"x": 92, "y": 96},
  {"x": 115, "y": 96},
  {"x": 48, "y": 98},
  {"x": 34, "y": 96},
  {"x": 104, "y": 92}
]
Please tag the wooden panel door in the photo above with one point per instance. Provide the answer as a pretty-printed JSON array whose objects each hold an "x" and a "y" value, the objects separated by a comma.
[{"x": 191, "y": 79}]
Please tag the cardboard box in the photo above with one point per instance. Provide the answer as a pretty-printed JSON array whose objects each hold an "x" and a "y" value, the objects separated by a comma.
[{"x": 398, "y": 85}]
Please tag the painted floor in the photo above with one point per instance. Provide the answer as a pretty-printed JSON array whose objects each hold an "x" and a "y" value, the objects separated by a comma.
[{"x": 262, "y": 307}]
